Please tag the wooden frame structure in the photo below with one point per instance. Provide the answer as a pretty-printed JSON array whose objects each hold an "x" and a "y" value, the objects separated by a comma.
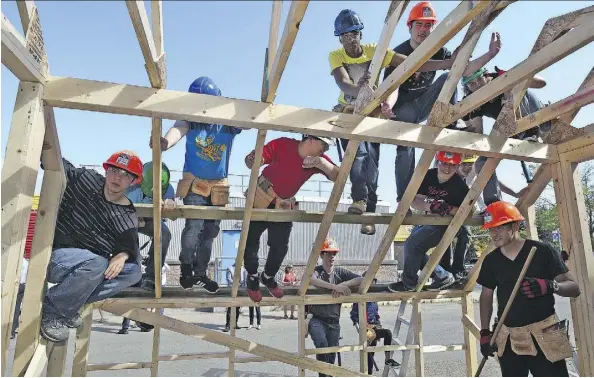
[{"x": 33, "y": 117}]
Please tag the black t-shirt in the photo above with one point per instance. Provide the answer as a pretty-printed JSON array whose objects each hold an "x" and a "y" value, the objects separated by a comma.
[
  {"x": 502, "y": 273},
  {"x": 452, "y": 191},
  {"x": 418, "y": 83},
  {"x": 489, "y": 109}
]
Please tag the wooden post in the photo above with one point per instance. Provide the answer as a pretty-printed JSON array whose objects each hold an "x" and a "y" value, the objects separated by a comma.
[
  {"x": 363, "y": 337},
  {"x": 56, "y": 363},
  {"x": 418, "y": 327},
  {"x": 469, "y": 339},
  {"x": 301, "y": 330},
  {"x": 81, "y": 346}
]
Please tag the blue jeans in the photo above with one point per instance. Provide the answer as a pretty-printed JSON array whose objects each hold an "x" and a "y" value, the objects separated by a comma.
[
  {"x": 421, "y": 239},
  {"x": 80, "y": 279},
  {"x": 197, "y": 237},
  {"x": 149, "y": 231},
  {"x": 462, "y": 243},
  {"x": 415, "y": 111},
  {"x": 324, "y": 335},
  {"x": 364, "y": 173}
]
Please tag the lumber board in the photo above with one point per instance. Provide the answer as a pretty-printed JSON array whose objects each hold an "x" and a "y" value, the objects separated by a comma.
[
  {"x": 39, "y": 360},
  {"x": 17, "y": 57},
  {"x": 26, "y": 9},
  {"x": 471, "y": 335},
  {"x": 540, "y": 180},
  {"x": 588, "y": 82},
  {"x": 445, "y": 30},
  {"x": 81, "y": 346},
  {"x": 579, "y": 155},
  {"x": 120, "y": 366},
  {"x": 81, "y": 94},
  {"x": 219, "y": 338},
  {"x": 56, "y": 363}
]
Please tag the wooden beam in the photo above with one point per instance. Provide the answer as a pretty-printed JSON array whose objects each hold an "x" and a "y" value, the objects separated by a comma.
[
  {"x": 540, "y": 180},
  {"x": 588, "y": 82},
  {"x": 445, "y": 30},
  {"x": 26, "y": 10},
  {"x": 120, "y": 366},
  {"x": 199, "y": 356},
  {"x": 56, "y": 363},
  {"x": 81, "y": 346},
  {"x": 579, "y": 155},
  {"x": 90, "y": 95},
  {"x": 19, "y": 174},
  {"x": 418, "y": 329},
  {"x": 219, "y": 338},
  {"x": 471, "y": 335},
  {"x": 39, "y": 359},
  {"x": 17, "y": 57}
]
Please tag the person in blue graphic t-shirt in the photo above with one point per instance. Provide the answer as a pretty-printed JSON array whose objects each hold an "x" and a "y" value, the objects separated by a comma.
[
  {"x": 208, "y": 150},
  {"x": 143, "y": 193}
]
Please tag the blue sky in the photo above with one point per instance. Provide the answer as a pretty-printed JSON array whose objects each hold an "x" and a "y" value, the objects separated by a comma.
[{"x": 226, "y": 41}]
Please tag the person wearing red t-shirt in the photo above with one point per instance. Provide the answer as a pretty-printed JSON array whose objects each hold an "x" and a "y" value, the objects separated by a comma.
[
  {"x": 289, "y": 164},
  {"x": 289, "y": 279}
]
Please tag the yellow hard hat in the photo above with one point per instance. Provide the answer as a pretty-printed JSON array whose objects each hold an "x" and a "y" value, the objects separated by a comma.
[{"x": 469, "y": 158}]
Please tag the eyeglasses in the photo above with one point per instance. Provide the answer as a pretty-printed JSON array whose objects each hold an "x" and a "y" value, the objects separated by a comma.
[{"x": 120, "y": 173}]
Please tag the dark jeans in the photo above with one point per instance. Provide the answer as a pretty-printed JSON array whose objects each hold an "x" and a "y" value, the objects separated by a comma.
[
  {"x": 462, "y": 243},
  {"x": 421, "y": 239},
  {"x": 228, "y": 316},
  {"x": 148, "y": 230},
  {"x": 513, "y": 365},
  {"x": 17, "y": 309},
  {"x": 415, "y": 111},
  {"x": 258, "y": 315},
  {"x": 364, "y": 173},
  {"x": 197, "y": 237},
  {"x": 278, "y": 241},
  {"x": 380, "y": 333},
  {"x": 324, "y": 335}
]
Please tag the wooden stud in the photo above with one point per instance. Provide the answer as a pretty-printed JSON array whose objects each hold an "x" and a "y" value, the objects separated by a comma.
[
  {"x": 81, "y": 346},
  {"x": 17, "y": 57},
  {"x": 56, "y": 363},
  {"x": 120, "y": 366},
  {"x": 363, "y": 337},
  {"x": 301, "y": 330},
  {"x": 91, "y": 95},
  {"x": 418, "y": 327},
  {"x": 540, "y": 180},
  {"x": 470, "y": 337},
  {"x": 155, "y": 356},
  {"x": 39, "y": 360}
]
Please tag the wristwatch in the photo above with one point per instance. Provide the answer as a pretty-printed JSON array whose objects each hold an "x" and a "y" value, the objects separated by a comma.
[{"x": 555, "y": 286}]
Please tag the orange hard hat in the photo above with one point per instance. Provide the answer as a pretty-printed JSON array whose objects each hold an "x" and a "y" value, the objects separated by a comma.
[
  {"x": 449, "y": 157},
  {"x": 499, "y": 213},
  {"x": 126, "y": 160},
  {"x": 423, "y": 11},
  {"x": 330, "y": 245}
]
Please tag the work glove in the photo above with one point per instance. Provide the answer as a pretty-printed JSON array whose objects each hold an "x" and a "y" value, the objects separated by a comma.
[
  {"x": 536, "y": 287},
  {"x": 564, "y": 256},
  {"x": 487, "y": 350},
  {"x": 440, "y": 207}
]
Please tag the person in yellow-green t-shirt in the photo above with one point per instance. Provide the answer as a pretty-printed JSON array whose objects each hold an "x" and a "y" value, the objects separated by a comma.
[{"x": 349, "y": 66}]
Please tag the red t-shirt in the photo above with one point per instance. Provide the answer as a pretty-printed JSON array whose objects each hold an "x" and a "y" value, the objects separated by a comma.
[{"x": 285, "y": 166}]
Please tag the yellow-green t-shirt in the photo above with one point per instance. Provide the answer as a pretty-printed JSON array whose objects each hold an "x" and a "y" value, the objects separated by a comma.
[{"x": 356, "y": 67}]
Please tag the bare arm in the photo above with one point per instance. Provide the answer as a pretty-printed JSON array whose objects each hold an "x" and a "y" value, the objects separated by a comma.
[
  {"x": 343, "y": 81},
  {"x": 329, "y": 169},
  {"x": 178, "y": 131},
  {"x": 430, "y": 65},
  {"x": 475, "y": 125},
  {"x": 494, "y": 47},
  {"x": 321, "y": 283},
  {"x": 537, "y": 82},
  {"x": 354, "y": 282},
  {"x": 567, "y": 286},
  {"x": 486, "y": 307},
  {"x": 507, "y": 190},
  {"x": 392, "y": 98}
]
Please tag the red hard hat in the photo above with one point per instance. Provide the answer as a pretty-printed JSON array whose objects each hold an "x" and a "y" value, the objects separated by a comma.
[
  {"x": 449, "y": 157},
  {"x": 423, "y": 11},
  {"x": 330, "y": 245},
  {"x": 499, "y": 213},
  {"x": 126, "y": 160}
]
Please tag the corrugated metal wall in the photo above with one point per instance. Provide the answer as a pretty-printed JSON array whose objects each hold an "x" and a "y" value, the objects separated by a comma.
[{"x": 354, "y": 245}]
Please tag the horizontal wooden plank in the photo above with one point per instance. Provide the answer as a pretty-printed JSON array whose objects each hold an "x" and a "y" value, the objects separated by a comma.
[
  {"x": 199, "y": 356},
  {"x": 17, "y": 58},
  {"x": 269, "y": 215},
  {"x": 81, "y": 94},
  {"x": 119, "y": 366}
]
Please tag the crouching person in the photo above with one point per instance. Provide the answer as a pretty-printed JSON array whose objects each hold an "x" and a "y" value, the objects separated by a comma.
[
  {"x": 531, "y": 339},
  {"x": 324, "y": 326},
  {"x": 289, "y": 164},
  {"x": 95, "y": 248}
]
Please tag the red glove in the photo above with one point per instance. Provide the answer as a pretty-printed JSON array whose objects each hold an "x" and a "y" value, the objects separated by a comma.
[
  {"x": 536, "y": 287},
  {"x": 487, "y": 350},
  {"x": 440, "y": 207},
  {"x": 499, "y": 71}
]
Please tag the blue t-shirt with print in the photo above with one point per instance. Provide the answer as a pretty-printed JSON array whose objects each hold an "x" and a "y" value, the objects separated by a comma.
[
  {"x": 135, "y": 194},
  {"x": 208, "y": 150}
]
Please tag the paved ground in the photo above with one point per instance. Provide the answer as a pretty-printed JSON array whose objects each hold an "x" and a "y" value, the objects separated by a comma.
[{"x": 441, "y": 325}]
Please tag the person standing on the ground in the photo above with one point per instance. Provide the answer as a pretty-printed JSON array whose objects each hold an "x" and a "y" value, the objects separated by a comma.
[
  {"x": 289, "y": 164},
  {"x": 95, "y": 249},
  {"x": 441, "y": 193},
  {"x": 417, "y": 95},
  {"x": 229, "y": 278},
  {"x": 324, "y": 325},
  {"x": 289, "y": 279},
  {"x": 143, "y": 193},
  {"x": 204, "y": 183},
  {"x": 531, "y": 339}
]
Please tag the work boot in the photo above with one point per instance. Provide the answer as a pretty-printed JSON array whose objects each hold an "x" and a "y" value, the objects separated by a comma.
[
  {"x": 253, "y": 288},
  {"x": 206, "y": 283},
  {"x": 390, "y": 362},
  {"x": 123, "y": 331},
  {"x": 186, "y": 279},
  {"x": 53, "y": 328},
  {"x": 443, "y": 284},
  {"x": 368, "y": 229},
  {"x": 272, "y": 286},
  {"x": 358, "y": 207},
  {"x": 74, "y": 322}
]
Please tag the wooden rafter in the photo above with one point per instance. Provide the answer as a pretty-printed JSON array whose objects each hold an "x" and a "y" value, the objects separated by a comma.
[{"x": 16, "y": 56}]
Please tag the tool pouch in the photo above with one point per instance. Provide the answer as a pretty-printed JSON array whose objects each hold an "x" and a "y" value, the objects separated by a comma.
[
  {"x": 264, "y": 193},
  {"x": 219, "y": 195},
  {"x": 521, "y": 341},
  {"x": 201, "y": 187},
  {"x": 285, "y": 204},
  {"x": 183, "y": 185},
  {"x": 370, "y": 333},
  {"x": 553, "y": 340}
]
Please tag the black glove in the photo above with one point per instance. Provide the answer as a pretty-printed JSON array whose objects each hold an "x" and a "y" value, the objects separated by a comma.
[
  {"x": 487, "y": 350},
  {"x": 440, "y": 207},
  {"x": 536, "y": 287},
  {"x": 564, "y": 256}
]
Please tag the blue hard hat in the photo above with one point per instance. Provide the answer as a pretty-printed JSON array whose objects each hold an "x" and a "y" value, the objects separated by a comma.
[
  {"x": 205, "y": 85},
  {"x": 347, "y": 21}
]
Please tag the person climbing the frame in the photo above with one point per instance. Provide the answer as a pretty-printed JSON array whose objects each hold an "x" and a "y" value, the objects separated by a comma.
[
  {"x": 474, "y": 120},
  {"x": 289, "y": 164},
  {"x": 531, "y": 340},
  {"x": 143, "y": 193},
  {"x": 441, "y": 193},
  {"x": 417, "y": 95},
  {"x": 204, "y": 183},
  {"x": 95, "y": 248}
]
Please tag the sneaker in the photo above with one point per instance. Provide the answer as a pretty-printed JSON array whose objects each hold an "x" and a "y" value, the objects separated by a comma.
[
  {"x": 227, "y": 328},
  {"x": 206, "y": 283},
  {"x": 292, "y": 317},
  {"x": 250, "y": 326},
  {"x": 368, "y": 229},
  {"x": 74, "y": 322},
  {"x": 123, "y": 331},
  {"x": 144, "y": 327},
  {"x": 286, "y": 316},
  {"x": 272, "y": 286},
  {"x": 443, "y": 284},
  {"x": 53, "y": 328},
  {"x": 258, "y": 327},
  {"x": 390, "y": 362},
  {"x": 461, "y": 276},
  {"x": 147, "y": 284},
  {"x": 186, "y": 279},
  {"x": 397, "y": 287},
  {"x": 253, "y": 288},
  {"x": 358, "y": 207}
]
